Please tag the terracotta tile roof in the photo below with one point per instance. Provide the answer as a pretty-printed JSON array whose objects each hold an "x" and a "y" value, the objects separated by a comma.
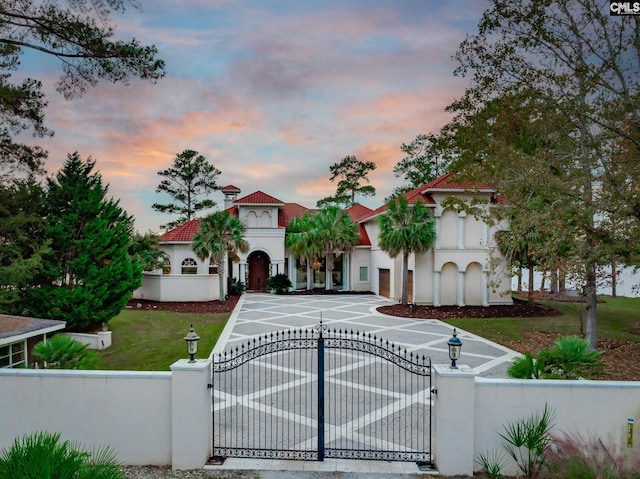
[
  {"x": 258, "y": 198},
  {"x": 183, "y": 233},
  {"x": 423, "y": 193},
  {"x": 358, "y": 211},
  {"x": 290, "y": 211},
  {"x": 230, "y": 189},
  {"x": 364, "y": 237}
]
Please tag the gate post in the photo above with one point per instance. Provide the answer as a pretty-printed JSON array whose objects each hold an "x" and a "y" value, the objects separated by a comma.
[
  {"x": 191, "y": 427},
  {"x": 454, "y": 419},
  {"x": 320, "y": 396}
]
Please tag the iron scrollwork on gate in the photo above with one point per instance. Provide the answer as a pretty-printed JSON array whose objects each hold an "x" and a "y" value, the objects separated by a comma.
[{"x": 316, "y": 393}]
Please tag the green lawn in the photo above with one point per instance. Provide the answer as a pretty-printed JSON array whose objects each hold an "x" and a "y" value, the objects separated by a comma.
[
  {"x": 153, "y": 340},
  {"x": 616, "y": 318}
]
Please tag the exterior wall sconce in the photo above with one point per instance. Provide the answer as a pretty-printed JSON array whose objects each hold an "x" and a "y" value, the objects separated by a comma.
[
  {"x": 192, "y": 344},
  {"x": 455, "y": 345}
]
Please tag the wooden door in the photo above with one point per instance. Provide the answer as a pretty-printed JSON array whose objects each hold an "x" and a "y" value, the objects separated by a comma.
[
  {"x": 258, "y": 271},
  {"x": 384, "y": 282}
]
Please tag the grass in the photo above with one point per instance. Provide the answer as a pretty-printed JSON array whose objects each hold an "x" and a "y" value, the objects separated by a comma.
[
  {"x": 616, "y": 318},
  {"x": 153, "y": 340}
]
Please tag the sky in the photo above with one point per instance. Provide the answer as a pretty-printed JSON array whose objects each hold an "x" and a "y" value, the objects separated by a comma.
[{"x": 271, "y": 92}]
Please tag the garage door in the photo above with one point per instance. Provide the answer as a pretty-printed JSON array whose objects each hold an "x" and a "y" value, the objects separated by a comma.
[{"x": 384, "y": 282}]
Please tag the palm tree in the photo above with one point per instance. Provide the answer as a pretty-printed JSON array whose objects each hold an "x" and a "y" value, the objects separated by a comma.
[
  {"x": 405, "y": 229},
  {"x": 220, "y": 234},
  {"x": 335, "y": 232},
  {"x": 322, "y": 235}
]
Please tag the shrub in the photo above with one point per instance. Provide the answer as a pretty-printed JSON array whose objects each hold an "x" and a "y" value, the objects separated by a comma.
[
  {"x": 570, "y": 358},
  {"x": 43, "y": 456},
  {"x": 279, "y": 283},
  {"x": 236, "y": 287},
  {"x": 574, "y": 457},
  {"x": 63, "y": 352}
]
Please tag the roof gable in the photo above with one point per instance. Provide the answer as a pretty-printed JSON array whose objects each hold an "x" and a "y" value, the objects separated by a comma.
[
  {"x": 183, "y": 233},
  {"x": 258, "y": 198}
]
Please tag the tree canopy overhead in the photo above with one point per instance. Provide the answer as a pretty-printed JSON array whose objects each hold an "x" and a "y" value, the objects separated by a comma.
[
  {"x": 79, "y": 34},
  {"x": 552, "y": 121}
]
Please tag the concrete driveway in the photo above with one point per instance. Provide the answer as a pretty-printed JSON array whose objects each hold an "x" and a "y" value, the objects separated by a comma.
[{"x": 259, "y": 313}]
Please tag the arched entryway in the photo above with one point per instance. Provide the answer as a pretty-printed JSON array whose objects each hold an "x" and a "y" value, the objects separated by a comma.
[{"x": 258, "y": 263}]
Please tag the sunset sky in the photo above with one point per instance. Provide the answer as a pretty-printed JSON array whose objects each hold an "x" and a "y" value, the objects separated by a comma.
[{"x": 271, "y": 92}]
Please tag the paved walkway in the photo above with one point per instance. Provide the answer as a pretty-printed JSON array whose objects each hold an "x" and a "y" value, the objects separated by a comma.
[{"x": 258, "y": 314}]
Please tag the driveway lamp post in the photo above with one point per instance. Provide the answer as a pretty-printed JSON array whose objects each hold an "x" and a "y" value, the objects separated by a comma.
[
  {"x": 454, "y": 349},
  {"x": 192, "y": 344}
]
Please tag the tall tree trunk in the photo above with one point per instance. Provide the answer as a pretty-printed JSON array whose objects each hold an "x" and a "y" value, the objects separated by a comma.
[
  {"x": 405, "y": 277},
  {"x": 520, "y": 279},
  {"x": 553, "y": 286},
  {"x": 530, "y": 292},
  {"x": 614, "y": 283}
]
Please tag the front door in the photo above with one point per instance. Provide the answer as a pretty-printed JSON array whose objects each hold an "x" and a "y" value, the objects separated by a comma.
[{"x": 258, "y": 263}]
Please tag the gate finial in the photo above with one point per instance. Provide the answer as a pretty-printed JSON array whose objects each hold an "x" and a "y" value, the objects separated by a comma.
[{"x": 320, "y": 327}]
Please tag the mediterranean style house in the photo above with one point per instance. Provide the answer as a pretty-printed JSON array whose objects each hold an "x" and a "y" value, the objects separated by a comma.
[{"x": 464, "y": 266}]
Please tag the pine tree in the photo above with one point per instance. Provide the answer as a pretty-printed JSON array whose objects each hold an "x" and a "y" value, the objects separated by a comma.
[{"x": 89, "y": 276}]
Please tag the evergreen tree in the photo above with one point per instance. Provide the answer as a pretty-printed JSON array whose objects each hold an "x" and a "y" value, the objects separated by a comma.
[
  {"x": 421, "y": 164},
  {"x": 352, "y": 172},
  {"x": 89, "y": 276},
  {"x": 22, "y": 242},
  {"x": 189, "y": 178}
]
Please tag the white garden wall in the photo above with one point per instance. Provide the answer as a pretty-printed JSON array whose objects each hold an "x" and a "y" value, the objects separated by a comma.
[
  {"x": 178, "y": 287},
  {"x": 470, "y": 411},
  {"x": 129, "y": 411}
]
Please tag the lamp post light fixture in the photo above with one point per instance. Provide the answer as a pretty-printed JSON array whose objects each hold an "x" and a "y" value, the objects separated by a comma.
[
  {"x": 454, "y": 348},
  {"x": 192, "y": 344}
]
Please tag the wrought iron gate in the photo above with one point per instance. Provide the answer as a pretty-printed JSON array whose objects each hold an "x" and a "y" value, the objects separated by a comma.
[{"x": 315, "y": 394}]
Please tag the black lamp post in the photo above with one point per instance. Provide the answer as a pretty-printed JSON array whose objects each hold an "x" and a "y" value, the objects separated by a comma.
[
  {"x": 192, "y": 344},
  {"x": 454, "y": 349}
]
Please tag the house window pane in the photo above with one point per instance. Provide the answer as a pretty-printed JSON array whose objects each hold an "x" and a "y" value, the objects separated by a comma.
[
  {"x": 17, "y": 354},
  {"x": 189, "y": 266},
  {"x": 213, "y": 269},
  {"x": 5, "y": 357},
  {"x": 364, "y": 274},
  {"x": 166, "y": 267}
]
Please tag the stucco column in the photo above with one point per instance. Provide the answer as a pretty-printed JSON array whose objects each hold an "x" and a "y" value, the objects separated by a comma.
[
  {"x": 436, "y": 288},
  {"x": 191, "y": 422},
  {"x": 436, "y": 244},
  {"x": 485, "y": 288},
  {"x": 461, "y": 217},
  {"x": 460, "y": 288},
  {"x": 453, "y": 419},
  {"x": 243, "y": 271}
]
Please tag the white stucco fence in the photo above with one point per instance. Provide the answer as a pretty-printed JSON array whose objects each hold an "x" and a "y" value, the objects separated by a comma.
[
  {"x": 470, "y": 411},
  {"x": 165, "y": 417},
  {"x": 179, "y": 287}
]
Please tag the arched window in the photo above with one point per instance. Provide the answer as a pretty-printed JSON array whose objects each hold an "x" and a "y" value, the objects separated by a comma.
[
  {"x": 189, "y": 266},
  {"x": 166, "y": 267}
]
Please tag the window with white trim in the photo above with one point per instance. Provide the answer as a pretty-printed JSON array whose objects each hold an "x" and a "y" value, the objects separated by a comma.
[
  {"x": 189, "y": 266},
  {"x": 12, "y": 355}
]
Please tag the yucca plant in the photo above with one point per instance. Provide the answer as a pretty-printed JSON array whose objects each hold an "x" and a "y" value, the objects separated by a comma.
[
  {"x": 43, "y": 455},
  {"x": 64, "y": 352},
  {"x": 492, "y": 463},
  {"x": 527, "y": 441}
]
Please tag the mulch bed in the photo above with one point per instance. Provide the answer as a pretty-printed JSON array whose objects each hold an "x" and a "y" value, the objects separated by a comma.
[{"x": 198, "y": 307}]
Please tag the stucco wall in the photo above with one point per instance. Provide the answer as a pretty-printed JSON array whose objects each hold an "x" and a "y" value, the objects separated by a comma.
[
  {"x": 177, "y": 287},
  {"x": 129, "y": 411}
]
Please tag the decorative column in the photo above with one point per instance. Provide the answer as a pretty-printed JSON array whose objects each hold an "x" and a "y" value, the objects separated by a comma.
[
  {"x": 485, "y": 288},
  {"x": 242, "y": 271},
  {"x": 460, "y": 288},
  {"x": 461, "y": 217},
  {"x": 436, "y": 288},
  {"x": 436, "y": 244}
]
